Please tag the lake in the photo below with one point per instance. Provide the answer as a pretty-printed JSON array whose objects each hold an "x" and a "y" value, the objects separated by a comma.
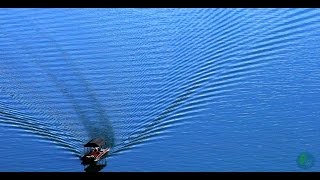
[{"x": 168, "y": 89}]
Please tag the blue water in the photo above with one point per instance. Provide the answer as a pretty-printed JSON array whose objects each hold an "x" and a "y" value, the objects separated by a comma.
[{"x": 169, "y": 89}]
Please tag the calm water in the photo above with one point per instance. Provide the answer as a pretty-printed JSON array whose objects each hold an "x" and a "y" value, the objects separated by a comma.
[{"x": 170, "y": 89}]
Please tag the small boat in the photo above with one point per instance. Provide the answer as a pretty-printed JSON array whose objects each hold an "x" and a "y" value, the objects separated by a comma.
[{"x": 95, "y": 150}]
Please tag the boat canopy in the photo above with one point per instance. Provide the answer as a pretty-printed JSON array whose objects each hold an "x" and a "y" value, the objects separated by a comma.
[{"x": 96, "y": 142}]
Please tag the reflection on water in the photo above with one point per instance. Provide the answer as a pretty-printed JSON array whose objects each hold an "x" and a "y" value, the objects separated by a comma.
[{"x": 95, "y": 166}]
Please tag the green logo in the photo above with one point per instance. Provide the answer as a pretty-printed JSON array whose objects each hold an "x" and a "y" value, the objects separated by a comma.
[{"x": 305, "y": 160}]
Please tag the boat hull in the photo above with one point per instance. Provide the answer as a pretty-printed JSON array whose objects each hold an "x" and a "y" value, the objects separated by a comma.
[{"x": 94, "y": 156}]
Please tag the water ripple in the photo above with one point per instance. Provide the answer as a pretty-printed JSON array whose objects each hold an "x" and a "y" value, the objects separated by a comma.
[{"x": 132, "y": 75}]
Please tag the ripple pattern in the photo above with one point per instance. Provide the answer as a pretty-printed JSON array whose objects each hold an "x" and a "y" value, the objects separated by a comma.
[{"x": 130, "y": 75}]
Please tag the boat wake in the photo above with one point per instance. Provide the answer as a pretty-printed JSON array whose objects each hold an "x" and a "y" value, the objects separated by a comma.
[{"x": 129, "y": 76}]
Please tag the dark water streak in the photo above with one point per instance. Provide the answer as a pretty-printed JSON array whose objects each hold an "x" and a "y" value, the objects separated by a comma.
[{"x": 212, "y": 54}]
